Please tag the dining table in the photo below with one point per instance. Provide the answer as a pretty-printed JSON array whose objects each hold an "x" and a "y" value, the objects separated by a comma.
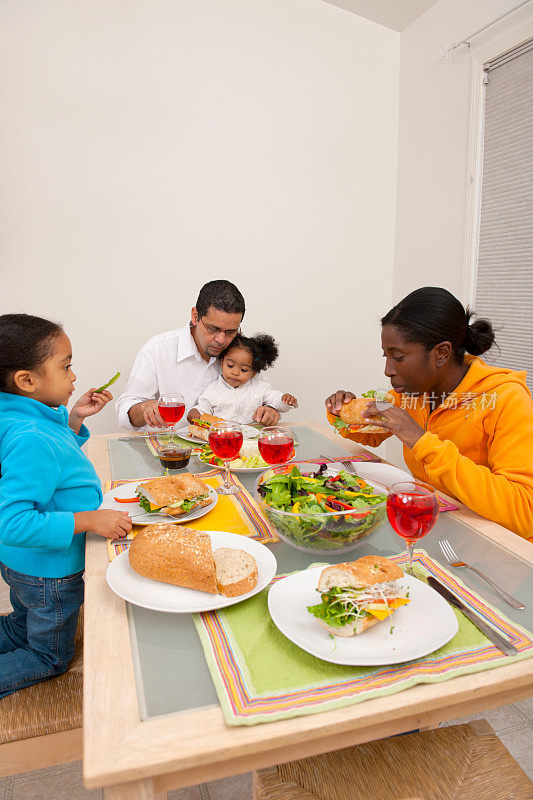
[{"x": 152, "y": 721}]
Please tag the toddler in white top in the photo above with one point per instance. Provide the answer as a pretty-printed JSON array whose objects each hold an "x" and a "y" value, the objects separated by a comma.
[{"x": 239, "y": 394}]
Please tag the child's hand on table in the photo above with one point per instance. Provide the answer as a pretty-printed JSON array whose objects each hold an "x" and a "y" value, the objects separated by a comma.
[
  {"x": 266, "y": 415},
  {"x": 289, "y": 400},
  {"x": 104, "y": 522}
]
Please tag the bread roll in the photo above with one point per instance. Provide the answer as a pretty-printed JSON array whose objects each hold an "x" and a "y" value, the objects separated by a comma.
[
  {"x": 236, "y": 571},
  {"x": 354, "y": 413},
  {"x": 174, "y": 554},
  {"x": 183, "y": 557},
  {"x": 352, "y": 628},
  {"x": 355, "y": 574}
]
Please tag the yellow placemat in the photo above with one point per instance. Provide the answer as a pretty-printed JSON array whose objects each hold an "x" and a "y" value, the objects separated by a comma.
[{"x": 236, "y": 513}]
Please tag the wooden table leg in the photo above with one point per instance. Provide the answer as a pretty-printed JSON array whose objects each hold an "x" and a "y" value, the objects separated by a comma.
[{"x": 136, "y": 790}]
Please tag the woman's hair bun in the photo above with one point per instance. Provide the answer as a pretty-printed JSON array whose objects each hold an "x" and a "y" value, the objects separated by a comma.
[{"x": 479, "y": 336}]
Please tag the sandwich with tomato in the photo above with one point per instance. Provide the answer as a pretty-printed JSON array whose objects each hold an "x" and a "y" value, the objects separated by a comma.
[
  {"x": 201, "y": 425},
  {"x": 173, "y": 495},
  {"x": 358, "y": 594},
  {"x": 351, "y": 418}
]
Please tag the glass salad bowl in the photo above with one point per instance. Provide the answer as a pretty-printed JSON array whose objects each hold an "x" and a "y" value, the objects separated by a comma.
[{"x": 320, "y": 507}]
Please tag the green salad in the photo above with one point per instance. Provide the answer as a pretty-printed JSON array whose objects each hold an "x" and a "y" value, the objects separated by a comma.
[{"x": 321, "y": 510}]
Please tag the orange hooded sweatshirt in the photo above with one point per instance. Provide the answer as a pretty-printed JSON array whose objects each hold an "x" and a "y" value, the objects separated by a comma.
[{"x": 478, "y": 445}]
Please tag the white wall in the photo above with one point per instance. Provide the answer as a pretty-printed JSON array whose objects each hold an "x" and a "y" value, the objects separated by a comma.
[
  {"x": 433, "y": 140},
  {"x": 152, "y": 145},
  {"x": 433, "y": 145}
]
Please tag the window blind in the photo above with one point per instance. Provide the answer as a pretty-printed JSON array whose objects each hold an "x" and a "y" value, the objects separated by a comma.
[{"x": 504, "y": 281}]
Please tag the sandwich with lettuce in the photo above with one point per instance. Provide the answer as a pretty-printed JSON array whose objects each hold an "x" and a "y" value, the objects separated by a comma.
[
  {"x": 200, "y": 426},
  {"x": 359, "y": 594},
  {"x": 173, "y": 494},
  {"x": 351, "y": 417}
]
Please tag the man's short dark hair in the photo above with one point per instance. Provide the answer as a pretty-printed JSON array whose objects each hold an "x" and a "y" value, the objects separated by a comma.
[{"x": 222, "y": 295}]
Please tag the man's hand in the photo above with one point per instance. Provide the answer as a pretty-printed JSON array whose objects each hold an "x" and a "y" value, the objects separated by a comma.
[
  {"x": 104, "y": 522},
  {"x": 88, "y": 404},
  {"x": 150, "y": 414},
  {"x": 266, "y": 415},
  {"x": 335, "y": 401},
  {"x": 397, "y": 421},
  {"x": 289, "y": 400}
]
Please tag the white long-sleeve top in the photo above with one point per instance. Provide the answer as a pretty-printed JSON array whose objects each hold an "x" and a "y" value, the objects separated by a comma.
[
  {"x": 169, "y": 362},
  {"x": 238, "y": 404}
]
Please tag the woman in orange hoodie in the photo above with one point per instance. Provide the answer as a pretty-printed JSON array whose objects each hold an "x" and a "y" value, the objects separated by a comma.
[{"x": 466, "y": 426}]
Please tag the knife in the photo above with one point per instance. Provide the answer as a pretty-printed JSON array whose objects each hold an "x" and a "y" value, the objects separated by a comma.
[{"x": 501, "y": 643}]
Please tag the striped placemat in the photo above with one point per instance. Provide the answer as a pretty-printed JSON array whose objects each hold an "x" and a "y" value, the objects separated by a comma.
[
  {"x": 236, "y": 513},
  {"x": 261, "y": 676}
]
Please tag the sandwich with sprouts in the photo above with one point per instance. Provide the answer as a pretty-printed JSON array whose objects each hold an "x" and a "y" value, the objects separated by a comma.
[{"x": 359, "y": 594}]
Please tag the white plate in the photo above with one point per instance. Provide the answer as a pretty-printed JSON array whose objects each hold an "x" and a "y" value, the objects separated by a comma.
[
  {"x": 385, "y": 474},
  {"x": 247, "y": 431},
  {"x": 160, "y": 596},
  {"x": 183, "y": 433},
  {"x": 128, "y": 490},
  {"x": 420, "y": 628},
  {"x": 233, "y": 469}
]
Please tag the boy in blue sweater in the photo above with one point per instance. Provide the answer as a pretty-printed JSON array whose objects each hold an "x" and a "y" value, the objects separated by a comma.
[{"x": 49, "y": 496}]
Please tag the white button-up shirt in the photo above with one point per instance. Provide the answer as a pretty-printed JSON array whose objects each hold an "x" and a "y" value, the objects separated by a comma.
[
  {"x": 167, "y": 363},
  {"x": 239, "y": 403}
]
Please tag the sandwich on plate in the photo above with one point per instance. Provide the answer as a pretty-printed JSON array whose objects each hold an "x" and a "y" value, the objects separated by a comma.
[
  {"x": 351, "y": 417},
  {"x": 184, "y": 557},
  {"x": 173, "y": 494},
  {"x": 200, "y": 426},
  {"x": 359, "y": 594}
]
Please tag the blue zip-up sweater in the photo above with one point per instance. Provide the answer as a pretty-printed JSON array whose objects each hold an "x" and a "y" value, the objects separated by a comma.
[{"x": 45, "y": 478}]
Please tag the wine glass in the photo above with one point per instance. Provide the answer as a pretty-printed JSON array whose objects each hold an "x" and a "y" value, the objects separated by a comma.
[
  {"x": 276, "y": 445},
  {"x": 412, "y": 509},
  {"x": 225, "y": 440},
  {"x": 171, "y": 408}
]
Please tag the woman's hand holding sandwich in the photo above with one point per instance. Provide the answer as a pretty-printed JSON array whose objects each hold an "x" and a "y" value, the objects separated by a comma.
[
  {"x": 335, "y": 401},
  {"x": 397, "y": 421}
]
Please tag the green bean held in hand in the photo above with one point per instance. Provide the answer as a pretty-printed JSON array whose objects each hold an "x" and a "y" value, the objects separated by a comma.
[{"x": 110, "y": 382}]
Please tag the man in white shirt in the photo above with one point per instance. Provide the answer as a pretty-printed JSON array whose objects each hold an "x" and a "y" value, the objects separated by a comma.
[{"x": 182, "y": 361}]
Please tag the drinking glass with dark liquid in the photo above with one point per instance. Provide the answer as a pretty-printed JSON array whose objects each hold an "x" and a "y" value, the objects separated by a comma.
[
  {"x": 173, "y": 457},
  {"x": 225, "y": 440},
  {"x": 276, "y": 445},
  {"x": 171, "y": 409},
  {"x": 412, "y": 509}
]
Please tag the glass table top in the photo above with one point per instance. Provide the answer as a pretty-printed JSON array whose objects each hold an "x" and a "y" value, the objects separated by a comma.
[{"x": 171, "y": 671}]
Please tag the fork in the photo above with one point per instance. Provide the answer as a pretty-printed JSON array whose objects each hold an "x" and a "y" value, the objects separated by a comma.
[
  {"x": 348, "y": 466},
  {"x": 454, "y": 561}
]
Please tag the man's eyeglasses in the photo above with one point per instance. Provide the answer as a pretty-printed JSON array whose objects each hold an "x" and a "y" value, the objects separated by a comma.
[{"x": 214, "y": 331}]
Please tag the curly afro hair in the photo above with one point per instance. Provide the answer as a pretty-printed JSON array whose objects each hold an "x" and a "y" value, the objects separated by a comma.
[{"x": 261, "y": 347}]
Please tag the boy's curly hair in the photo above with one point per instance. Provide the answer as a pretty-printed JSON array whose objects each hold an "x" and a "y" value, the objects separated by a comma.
[{"x": 261, "y": 347}]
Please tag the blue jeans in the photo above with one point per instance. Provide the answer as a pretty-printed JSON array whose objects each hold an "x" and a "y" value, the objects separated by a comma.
[{"x": 37, "y": 638}]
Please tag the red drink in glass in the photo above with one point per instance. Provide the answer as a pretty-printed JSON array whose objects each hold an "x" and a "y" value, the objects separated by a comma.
[
  {"x": 225, "y": 444},
  {"x": 412, "y": 509},
  {"x": 171, "y": 408},
  {"x": 225, "y": 440},
  {"x": 276, "y": 451},
  {"x": 276, "y": 444},
  {"x": 411, "y": 517},
  {"x": 171, "y": 414}
]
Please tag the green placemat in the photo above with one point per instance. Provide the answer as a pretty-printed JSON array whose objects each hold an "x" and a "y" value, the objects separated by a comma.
[{"x": 261, "y": 676}]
